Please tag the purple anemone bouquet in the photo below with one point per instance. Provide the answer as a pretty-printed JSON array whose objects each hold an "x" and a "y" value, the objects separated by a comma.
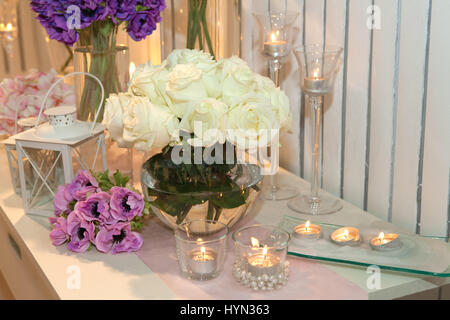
[
  {"x": 63, "y": 19},
  {"x": 93, "y": 26},
  {"x": 94, "y": 211}
]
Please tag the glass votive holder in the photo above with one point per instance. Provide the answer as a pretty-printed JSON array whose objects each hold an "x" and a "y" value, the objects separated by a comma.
[
  {"x": 260, "y": 257},
  {"x": 201, "y": 248}
]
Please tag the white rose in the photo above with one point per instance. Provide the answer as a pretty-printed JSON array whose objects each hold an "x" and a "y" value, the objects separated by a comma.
[
  {"x": 148, "y": 125},
  {"x": 185, "y": 85},
  {"x": 206, "y": 119},
  {"x": 237, "y": 79},
  {"x": 201, "y": 60},
  {"x": 113, "y": 117},
  {"x": 252, "y": 123},
  {"x": 281, "y": 107},
  {"x": 149, "y": 80}
]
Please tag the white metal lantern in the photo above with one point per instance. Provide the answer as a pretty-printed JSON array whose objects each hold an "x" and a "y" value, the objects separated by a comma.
[
  {"x": 11, "y": 153},
  {"x": 54, "y": 151}
]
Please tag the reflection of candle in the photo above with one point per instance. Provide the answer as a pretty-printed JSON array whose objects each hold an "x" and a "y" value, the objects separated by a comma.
[
  {"x": 346, "y": 236},
  {"x": 203, "y": 261},
  {"x": 307, "y": 231},
  {"x": 263, "y": 263},
  {"x": 132, "y": 69},
  {"x": 7, "y": 28},
  {"x": 275, "y": 47},
  {"x": 385, "y": 242}
]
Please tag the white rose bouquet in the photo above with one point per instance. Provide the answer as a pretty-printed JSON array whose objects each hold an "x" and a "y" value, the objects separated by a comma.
[
  {"x": 226, "y": 99},
  {"x": 192, "y": 101}
]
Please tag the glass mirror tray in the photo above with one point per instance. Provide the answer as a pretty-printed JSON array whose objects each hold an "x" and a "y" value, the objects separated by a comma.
[{"x": 417, "y": 254}]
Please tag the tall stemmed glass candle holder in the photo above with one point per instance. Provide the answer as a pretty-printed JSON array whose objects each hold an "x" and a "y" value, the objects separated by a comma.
[
  {"x": 276, "y": 44},
  {"x": 318, "y": 66},
  {"x": 260, "y": 254},
  {"x": 201, "y": 248}
]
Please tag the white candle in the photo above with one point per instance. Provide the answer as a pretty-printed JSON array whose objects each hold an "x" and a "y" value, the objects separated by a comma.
[
  {"x": 307, "y": 231},
  {"x": 385, "y": 242},
  {"x": 203, "y": 261},
  {"x": 346, "y": 236},
  {"x": 275, "y": 47},
  {"x": 263, "y": 263}
]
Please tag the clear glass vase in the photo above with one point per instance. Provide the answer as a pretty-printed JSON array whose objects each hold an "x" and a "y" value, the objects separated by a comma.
[
  {"x": 111, "y": 67},
  {"x": 213, "y": 26}
]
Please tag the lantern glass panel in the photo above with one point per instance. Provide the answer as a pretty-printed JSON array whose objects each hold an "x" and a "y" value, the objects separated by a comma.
[{"x": 42, "y": 178}]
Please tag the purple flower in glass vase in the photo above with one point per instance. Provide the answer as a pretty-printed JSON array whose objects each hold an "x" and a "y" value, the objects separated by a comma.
[
  {"x": 126, "y": 204},
  {"x": 96, "y": 208},
  {"x": 59, "y": 234},
  {"x": 82, "y": 233},
  {"x": 62, "y": 201},
  {"x": 142, "y": 24},
  {"x": 159, "y": 5},
  {"x": 82, "y": 185},
  {"x": 119, "y": 238}
]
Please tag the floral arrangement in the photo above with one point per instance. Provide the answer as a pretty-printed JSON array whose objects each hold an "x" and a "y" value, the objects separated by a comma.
[
  {"x": 193, "y": 101},
  {"x": 93, "y": 25},
  {"x": 139, "y": 17},
  {"x": 22, "y": 96},
  {"x": 188, "y": 87},
  {"x": 92, "y": 210}
]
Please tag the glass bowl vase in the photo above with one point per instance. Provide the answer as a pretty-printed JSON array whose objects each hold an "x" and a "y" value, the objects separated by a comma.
[{"x": 225, "y": 196}]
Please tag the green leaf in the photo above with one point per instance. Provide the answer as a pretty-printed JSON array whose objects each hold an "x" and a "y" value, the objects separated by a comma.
[{"x": 120, "y": 180}]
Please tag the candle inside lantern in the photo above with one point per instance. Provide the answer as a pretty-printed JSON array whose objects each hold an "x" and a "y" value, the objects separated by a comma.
[
  {"x": 384, "y": 242},
  {"x": 346, "y": 236},
  {"x": 275, "y": 47},
  {"x": 307, "y": 231},
  {"x": 203, "y": 261}
]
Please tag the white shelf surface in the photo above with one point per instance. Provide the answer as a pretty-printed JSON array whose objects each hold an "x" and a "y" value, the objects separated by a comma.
[{"x": 125, "y": 276}]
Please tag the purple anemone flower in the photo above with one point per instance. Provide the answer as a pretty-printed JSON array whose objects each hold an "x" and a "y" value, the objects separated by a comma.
[
  {"x": 62, "y": 201},
  {"x": 82, "y": 233},
  {"x": 125, "y": 204},
  {"x": 118, "y": 238},
  {"x": 82, "y": 185},
  {"x": 96, "y": 208},
  {"x": 59, "y": 234}
]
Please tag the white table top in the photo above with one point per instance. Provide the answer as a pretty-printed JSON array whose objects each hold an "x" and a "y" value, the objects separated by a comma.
[{"x": 125, "y": 276}]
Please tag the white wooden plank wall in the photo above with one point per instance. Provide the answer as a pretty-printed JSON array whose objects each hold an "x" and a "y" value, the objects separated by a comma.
[{"x": 386, "y": 126}]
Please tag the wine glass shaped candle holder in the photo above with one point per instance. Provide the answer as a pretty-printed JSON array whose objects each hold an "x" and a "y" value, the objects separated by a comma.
[
  {"x": 318, "y": 66},
  {"x": 276, "y": 44}
]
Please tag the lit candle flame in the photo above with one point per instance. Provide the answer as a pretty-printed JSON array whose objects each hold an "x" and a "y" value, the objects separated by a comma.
[
  {"x": 255, "y": 242},
  {"x": 203, "y": 251},
  {"x": 307, "y": 225},
  {"x": 9, "y": 27},
  {"x": 381, "y": 236},
  {"x": 346, "y": 233},
  {"x": 132, "y": 69},
  {"x": 316, "y": 73},
  {"x": 265, "y": 252},
  {"x": 273, "y": 36}
]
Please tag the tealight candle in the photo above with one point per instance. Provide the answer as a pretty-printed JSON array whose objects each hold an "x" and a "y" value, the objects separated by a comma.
[
  {"x": 203, "y": 261},
  {"x": 347, "y": 236},
  {"x": 386, "y": 242},
  {"x": 263, "y": 263},
  {"x": 275, "y": 47},
  {"x": 316, "y": 83},
  {"x": 307, "y": 231}
]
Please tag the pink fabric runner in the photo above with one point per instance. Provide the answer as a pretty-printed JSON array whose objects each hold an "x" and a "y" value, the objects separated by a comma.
[{"x": 308, "y": 279}]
